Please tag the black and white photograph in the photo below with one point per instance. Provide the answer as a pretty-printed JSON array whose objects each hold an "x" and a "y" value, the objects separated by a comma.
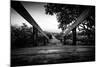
[{"x": 51, "y": 33}]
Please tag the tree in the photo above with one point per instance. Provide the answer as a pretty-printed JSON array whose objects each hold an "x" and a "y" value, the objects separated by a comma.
[
  {"x": 21, "y": 36},
  {"x": 24, "y": 36},
  {"x": 66, "y": 14}
]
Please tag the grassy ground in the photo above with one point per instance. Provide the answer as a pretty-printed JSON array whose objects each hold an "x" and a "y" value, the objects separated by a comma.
[{"x": 52, "y": 54}]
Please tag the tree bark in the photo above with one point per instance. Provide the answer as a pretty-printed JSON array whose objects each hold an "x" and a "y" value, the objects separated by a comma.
[
  {"x": 64, "y": 40},
  {"x": 35, "y": 36},
  {"x": 74, "y": 36}
]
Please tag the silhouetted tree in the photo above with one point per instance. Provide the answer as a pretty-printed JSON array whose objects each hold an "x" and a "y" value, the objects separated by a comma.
[{"x": 67, "y": 13}]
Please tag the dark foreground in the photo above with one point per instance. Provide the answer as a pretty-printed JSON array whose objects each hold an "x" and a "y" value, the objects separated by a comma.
[{"x": 52, "y": 55}]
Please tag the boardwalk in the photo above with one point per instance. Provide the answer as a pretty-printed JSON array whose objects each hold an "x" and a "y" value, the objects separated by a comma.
[{"x": 52, "y": 54}]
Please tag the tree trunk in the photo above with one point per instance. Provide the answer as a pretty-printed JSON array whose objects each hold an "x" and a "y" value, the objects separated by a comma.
[
  {"x": 64, "y": 40},
  {"x": 74, "y": 36},
  {"x": 35, "y": 36}
]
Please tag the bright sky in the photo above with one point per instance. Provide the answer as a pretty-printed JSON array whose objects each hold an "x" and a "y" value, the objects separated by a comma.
[{"x": 37, "y": 11}]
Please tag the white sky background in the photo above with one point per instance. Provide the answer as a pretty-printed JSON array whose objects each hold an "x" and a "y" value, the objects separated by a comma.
[{"x": 37, "y": 11}]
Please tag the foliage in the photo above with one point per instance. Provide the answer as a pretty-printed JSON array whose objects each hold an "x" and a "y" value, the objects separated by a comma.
[
  {"x": 24, "y": 37},
  {"x": 67, "y": 13},
  {"x": 21, "y": 36}
]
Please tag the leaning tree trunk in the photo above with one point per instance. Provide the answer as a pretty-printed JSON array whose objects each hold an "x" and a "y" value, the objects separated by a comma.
[{"x": 74, "y": 36}]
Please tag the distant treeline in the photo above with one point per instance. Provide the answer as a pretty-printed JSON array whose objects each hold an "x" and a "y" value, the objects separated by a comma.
[{"x": 23, "y": 37}]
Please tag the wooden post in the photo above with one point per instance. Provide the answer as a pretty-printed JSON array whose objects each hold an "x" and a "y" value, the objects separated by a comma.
[
  {"x": 35, "y": 36},
  {"x": 64, "y": 40},
  {"x": 74, "y": 36}
]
